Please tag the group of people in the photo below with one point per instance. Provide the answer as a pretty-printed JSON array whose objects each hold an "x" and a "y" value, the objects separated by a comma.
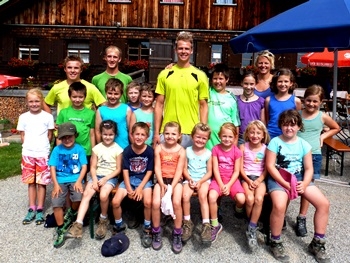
[{"x": 189, "y": 136}]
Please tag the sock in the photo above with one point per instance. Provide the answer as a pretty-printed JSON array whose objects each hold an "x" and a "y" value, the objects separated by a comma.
[
  {"x": 79, "y": 221},
  {"x": 252, "y": 225},
  {"x": 239, "y": 209},
  {"x": 319, "y": 235},
  {"x": 156, "y": 229},
  {"x": 119, "y": 222},
  {"x": 301, "y": 216},
  {"x": 33, "y": 207},
  {"x": 214, "y": 222},
  {"x": 147, "y": 223},
  {"x": 39, "y": 208},
  {"x": 103, "y": 217},
  {"x": 60, "y": 227},
  {"x": 177, "y": 231},
  {"x": 187, "y": 217},
  {"x": 205, "y": 221},
  {"x": 276, "y": 237}
]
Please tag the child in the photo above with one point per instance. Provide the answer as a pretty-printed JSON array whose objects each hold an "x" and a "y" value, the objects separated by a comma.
[
  {"x": 222, "y": 105},
  {"x": 294, "y": 154},
  {"x": 36, "y": 128},
  {"x": 226, "y": 165},
  {"x": 146, "y": 112},
  {"x": 283, "y": 84},
  {"x": 133, "y": 94},
  {"x": 250, "y": 106},
  {"x": 116, "y": 111},
  {"x": 138, "y": 164},
  {"x": 197, "y": 175},
  {"x": 313, "y": 121},
  {"x": 253, "y": 173},
  {"x": 169, "y": 160},
  {"x": 82, "y": 117},
  {"x": 68, "y": 168},
  {"x": 106, "y": 162}
]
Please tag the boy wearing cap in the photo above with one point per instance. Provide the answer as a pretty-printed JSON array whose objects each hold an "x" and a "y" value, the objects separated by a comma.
[{"x": 68, "y": 166}]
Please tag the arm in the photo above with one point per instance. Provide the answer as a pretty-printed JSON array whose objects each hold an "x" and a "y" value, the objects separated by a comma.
[
  {"x": 78, "y": 186},
  {"x": 208, "y": 174},
  {"x": 49, "y": 135},
  {"x": 93, "y": 173},
  {"x": 297, "y": 104},
  {"x": 98, "y": 121},
  {"x": 158, "y": 114},
  {"x": 22, "y": 136},
  {"x": 92, "y": 137},
  {"x": 203, "y": 111},
  {"x": 132, "y": 122},
  {"x": 216, "y": 172},
  {"x": 46, "y": 107},
  {"x": 272, "y": 170},
  {"x": 115, "y": 173},
  {"x": 308, "y": 173},
  {"x": 138, "y": 191},
  {"x": 235, "y": 174},
  {"x": 56, "y": 187},
  {"x": 332, "y": 125},
  {"x": 179, "y": 168},
  {"x": 263, "y": 116},
  {"x": 267, "y": 103},
  {"x": 157, "y": 169},
  {"x": 242, "y": 172},
  {"x": 186, "y": 174}
]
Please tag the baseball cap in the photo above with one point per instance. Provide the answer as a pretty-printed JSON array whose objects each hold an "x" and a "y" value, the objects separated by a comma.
[
  {"x": 116, "y": 245},
  {"x": 66, "y": 128}
]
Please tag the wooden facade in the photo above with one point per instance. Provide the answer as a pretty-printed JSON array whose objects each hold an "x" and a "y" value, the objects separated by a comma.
[{"x": 53, "y": 25}]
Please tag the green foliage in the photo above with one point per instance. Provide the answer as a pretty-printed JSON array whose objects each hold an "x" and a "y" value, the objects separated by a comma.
[{"x": 10, "y": 160}]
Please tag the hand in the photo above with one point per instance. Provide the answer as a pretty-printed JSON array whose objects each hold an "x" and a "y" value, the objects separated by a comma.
[
  {"x": 224, "y": 189},
  {"x": 138, "y": 194},
  {"x": 95, "y": 186},
  {"x": 169, "y": 66},
  {"x": 192, "y": 184},
  {"x": 163, "y": 189},
  {"x": 78, "y": 186},
  {"x": 56, "y": 191},
  {"x": 300, "y": 188},
  {"x": 198, "y": 185},
  {"x": 131, "y": 194},
  {"x": 156, "y": 140},
  {"x": 102, "y": 181}
]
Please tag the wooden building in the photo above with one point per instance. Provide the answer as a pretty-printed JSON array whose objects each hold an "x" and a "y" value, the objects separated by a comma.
[{"x": 47, "y": 31}]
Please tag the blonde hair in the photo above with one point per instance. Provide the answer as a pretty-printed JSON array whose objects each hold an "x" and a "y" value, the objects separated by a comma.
[
  {"x": 37, "y": 92},
  {"x": 184, "y": 36},
  {"x": 259, "y": 125},
  {"x": 268, "y": 55},
  {"x": 229, "y": 126},
  {"x": 173, "y": 124},
  {"x": 201, "y": 127},
  {"x": 120, "y": 53},
  {"x": 133, "y": 84},
  {"x": 314, "y": 90}
]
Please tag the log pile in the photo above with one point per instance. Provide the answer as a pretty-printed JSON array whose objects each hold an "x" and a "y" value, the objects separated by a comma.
[{"x": 11, "y": 108}]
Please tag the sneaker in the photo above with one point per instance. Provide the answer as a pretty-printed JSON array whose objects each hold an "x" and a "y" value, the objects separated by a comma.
[
  {"x": 157, "y": 240},
  {"x": 60, "y": 238},
  {"x": 118, "y": 229},
  {"x": 69, "y": 218},
  {"x": 215, "y": 231},
  {"x": 146, "y": 239},
  {"x": 277, "y": 250},
  {"x": 206, "y": 234},
  {"x": 187, "y": 230},
  {"x": 29, "y": 217},
  {"x": 101, "y": 229},
  {"x": 251, "y": 238},
  {"x": 317, "y": 248},
  {"x": 177, "y": 243},
  {"x": 75, "y": 230},
  {"x": 300, "y": 227},
  {"x": 39, "y": 218}
]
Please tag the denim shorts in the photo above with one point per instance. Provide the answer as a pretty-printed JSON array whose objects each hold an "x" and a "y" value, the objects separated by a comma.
[
  {"x": 317, "y": 163},
  {"x": 135, "y": 182},
  {"x": 272, "y": 185},
  {"x": 113, "y": 181}
]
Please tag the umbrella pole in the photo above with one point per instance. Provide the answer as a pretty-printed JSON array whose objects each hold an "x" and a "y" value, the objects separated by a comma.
[{"x": 335, "y": 83}]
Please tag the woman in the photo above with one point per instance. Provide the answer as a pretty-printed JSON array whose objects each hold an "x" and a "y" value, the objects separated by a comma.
[{"x": 265, "y": 62}]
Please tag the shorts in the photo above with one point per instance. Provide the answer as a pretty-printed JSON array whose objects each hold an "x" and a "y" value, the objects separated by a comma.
[
  {"x": 167, "y": 181},
  {"x": 35, "y": 170},
  {"x": 186, "y": 181},
  {"x": 135, "y": 182},
  {"x": 235, "y": 188},
  {"x": 252, "y": 177},
  {"x": 60, "y": 201},
  {"x": 272, "y": 185},
  {"x": 113, "y": 181},
  {"x": 241, "y": 140},
  {"x": 186, "y": 140},
  {"x": 317, "y": 164}
]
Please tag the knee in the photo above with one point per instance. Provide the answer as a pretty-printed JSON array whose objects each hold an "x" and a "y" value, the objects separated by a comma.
[
  {"x": 177, "y": 204},
  {"x": 186, "y": 198},
  {"x": 259, "y": 200},
  {"x": 147, "y": 203},
  {"x": 249, "y": 200},
  {"x": 115, "y": 203},
  {"x": 104, "y": 197}
]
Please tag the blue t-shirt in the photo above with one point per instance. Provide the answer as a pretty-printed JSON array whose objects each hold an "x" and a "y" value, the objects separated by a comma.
[
  {"x": 290, "y": 155},
  {"x": 138, "y": 164},
  {"x": 68, "y": 162},
  {"x": 197, "y": 164},
  {"x": 148, "y": 118}
]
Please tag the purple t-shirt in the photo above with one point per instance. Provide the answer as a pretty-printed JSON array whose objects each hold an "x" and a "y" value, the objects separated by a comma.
[{"x": 226, "y": 160}]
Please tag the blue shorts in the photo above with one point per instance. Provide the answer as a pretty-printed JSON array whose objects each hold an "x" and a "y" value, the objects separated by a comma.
[
  {"x": 317, "y": 163},
  {"x": 272, "y": 185},
  {"x": 113, "y": 181},
  {"x": 135, "y": 182}
]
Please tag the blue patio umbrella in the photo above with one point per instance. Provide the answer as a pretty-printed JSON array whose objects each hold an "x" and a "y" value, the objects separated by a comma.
[{"x": 311, "y": 26}]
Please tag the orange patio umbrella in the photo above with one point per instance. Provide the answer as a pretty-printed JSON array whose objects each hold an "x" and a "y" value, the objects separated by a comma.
[{"x": 326, "y": 59}]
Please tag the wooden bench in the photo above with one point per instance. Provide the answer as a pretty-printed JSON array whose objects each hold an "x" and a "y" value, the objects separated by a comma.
[{"x": 338, "y": 147}]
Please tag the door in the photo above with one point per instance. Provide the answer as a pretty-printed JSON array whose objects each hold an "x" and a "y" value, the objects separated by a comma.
[{"x": 160, "y": 55}]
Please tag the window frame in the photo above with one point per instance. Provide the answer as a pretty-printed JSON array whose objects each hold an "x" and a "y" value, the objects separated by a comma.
[
  {"x": 30, "y": 48},
  {"x": 139, "y": 48},
  {"x": 78, "y": 50},
  {"x": 234, "y": 3},
  {"x": 172, "y": 2}
]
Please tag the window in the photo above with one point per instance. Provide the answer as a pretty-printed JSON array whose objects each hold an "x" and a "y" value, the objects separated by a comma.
[
  {"x": 119, "y": 1},
  {"x": 299, "y": 64},
  {"x": 138, "y": 50},
  {"x": 79, "y": 49},
  {"x": 216, "y": 53},
  {"x": 172, "y": 1},
  {"x": 247, "y": 59},
  {"x": 28, "y": 51},
  {"x": 226, "y": 2}
]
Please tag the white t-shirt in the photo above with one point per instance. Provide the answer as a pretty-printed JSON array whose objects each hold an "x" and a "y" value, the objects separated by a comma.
[
  {"x": 106, "y": 158},
  {"x": 35, "y": 126}
]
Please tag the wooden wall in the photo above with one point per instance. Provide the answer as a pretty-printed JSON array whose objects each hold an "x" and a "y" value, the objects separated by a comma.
[{"x": 192, "y": 14}]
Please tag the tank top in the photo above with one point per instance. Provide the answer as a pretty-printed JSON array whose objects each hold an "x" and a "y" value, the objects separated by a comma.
[
  {"x": 312, "y": 132},
  {"x": 253, "y": 162},
  {"x": 168, "y": 162}
]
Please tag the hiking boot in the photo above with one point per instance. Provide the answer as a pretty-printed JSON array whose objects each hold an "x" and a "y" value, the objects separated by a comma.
[
  {"x": 101, "y": 229},
  {"x": 277, "y": 250},
  {"x": 177, "y": 243},
  {"x": 187, "y": 229},
  {"x": 300, "y": 227},
  {"x": 118, "y": 229},
  {"x": 317, "y": 248},
  {"x": 215, "y": 231},
  {"x": 39, "y": 218},
  {"x": 75, "y": 230},
  {"x": 60, "y": 238},
  {"x": 251, "y": 238},
  {"x": 29, "y": 217},
  {"x": 69, "y": 218},
  {"x": 146, "y": 239},
  {"x": 157, "y": 240},
  {"x": 206, "y": 234}
]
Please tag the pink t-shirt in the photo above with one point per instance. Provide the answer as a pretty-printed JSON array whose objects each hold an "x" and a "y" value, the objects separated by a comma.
[
  {"x": 226, "y": 159},
  {"x": 254, "y": 162}
]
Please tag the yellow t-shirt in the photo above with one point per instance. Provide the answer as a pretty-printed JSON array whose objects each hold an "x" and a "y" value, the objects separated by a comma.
[{"x": 106, "y": 158}]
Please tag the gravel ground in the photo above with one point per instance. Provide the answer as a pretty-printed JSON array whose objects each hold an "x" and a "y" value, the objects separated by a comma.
[{"x": 33, "y": 243}]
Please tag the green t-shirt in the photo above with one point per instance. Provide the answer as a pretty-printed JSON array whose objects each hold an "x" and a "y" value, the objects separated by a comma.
[
  {"x": 84, "y": 120},
  {"x": 100, "y": 82},
  {"x": 58, "y": 94},
  {"x": 221, "y": 108},
  {"x": 182, "y": 89}
]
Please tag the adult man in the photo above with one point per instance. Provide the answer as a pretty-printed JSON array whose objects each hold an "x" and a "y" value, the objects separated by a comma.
[
  {"x": 182, "y": 93},
  {"x": 113, "y": 56},
  {"x": 59, "y": 92}
]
